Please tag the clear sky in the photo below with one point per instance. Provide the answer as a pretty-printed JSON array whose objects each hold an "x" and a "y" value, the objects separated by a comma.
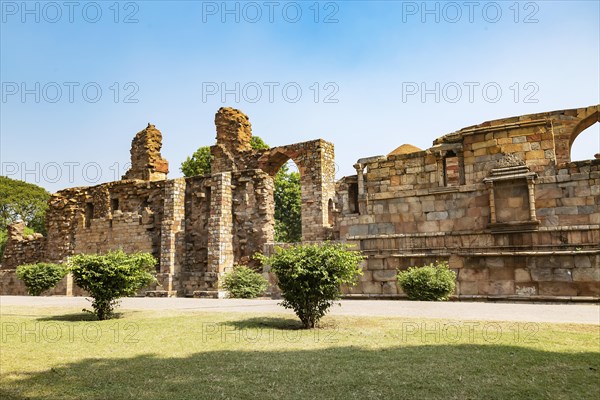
[{"x": 79, "y": 79}]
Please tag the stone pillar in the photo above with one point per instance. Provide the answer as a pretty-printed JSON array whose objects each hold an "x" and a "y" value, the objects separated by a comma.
[
  {"x": 490, "y": 186},
  {"x": 531, "y": 189},
  {"x": 362, "y": 197},
  {"x": 220, "y": 232},
  {"x": 171, "y": 234}
]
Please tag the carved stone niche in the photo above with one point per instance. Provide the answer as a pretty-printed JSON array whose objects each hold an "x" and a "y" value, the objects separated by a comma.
[{"x": 511, "y": 187}]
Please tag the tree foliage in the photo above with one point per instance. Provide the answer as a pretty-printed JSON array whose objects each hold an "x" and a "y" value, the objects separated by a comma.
[
  {"x": 288, "y": 206},
  {"x": 288, "y": 203},
  {"x": 41, "y": 276},
  {"x": 198, "y": 163},
  {"x": 244, "y": 283},
  {"x": 310, "y": 277},
  {"x": 108, "y": 277},
  {"x": 433, "y": 282},
  {"x": 22, "y": 201}
]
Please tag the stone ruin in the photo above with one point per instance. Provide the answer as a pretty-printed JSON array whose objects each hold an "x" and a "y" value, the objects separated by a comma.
[{"x": 500, "y": 201}]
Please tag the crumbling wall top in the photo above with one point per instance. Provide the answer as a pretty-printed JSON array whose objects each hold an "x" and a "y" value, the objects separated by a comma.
[
  {"x": 146, "y": 161},
  {"x": 234, "y": 130}
]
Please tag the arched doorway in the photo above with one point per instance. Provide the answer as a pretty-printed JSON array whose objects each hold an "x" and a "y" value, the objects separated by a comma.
[
  {"x": 316, "y": 168},
  {"x": 287, "y": 197},
  {"x": 586, "y": 144}
]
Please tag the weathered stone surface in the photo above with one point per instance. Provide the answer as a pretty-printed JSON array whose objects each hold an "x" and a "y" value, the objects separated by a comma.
[
  {"x": 500, "y": 201},
  {"x": 384, "y": 275},
  {"x": 146, "y": 161}
]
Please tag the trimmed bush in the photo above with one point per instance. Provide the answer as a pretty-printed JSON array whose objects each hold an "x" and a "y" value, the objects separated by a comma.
[
  {"x": 245, "y": 283},
  {"x": 41, "y": 276},
  {"x": 108, "y": 277},
  {"x": 310, "y": 277},
  {"x": 433, "y": 282}
]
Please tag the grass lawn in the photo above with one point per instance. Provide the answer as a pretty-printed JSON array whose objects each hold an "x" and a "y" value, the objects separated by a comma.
[{"x": 63, "y": 354}]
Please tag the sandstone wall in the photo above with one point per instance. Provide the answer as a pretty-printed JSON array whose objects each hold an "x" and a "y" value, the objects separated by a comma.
[
  {"x": 495, "y": 200},
  {"x": 22, "y": 249}
]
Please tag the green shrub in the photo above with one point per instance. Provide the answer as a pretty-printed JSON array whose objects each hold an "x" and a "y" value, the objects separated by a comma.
[
  {"x": 433, "y": 282},
  {"x": 244, "y": 283},
  {"x": 108, "y": 277},
  {"x": 310, "y": 277},
  {"x": 41, "y": 276}
]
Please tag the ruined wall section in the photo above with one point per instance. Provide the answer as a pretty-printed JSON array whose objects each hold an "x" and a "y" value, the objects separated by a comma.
[
  {"x": 22, "y": 249},
  {"x": 253, "y": 214},
  {"x": 123, "y": 214},
  {"x": 197, "y": 212},
  {"x": 497, "y": 200}
]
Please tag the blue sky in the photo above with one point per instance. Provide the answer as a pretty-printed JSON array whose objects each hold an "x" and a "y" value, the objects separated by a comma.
[{"x": 365, "y": 75}]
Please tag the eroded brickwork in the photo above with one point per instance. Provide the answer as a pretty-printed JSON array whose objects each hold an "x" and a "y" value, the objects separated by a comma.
[
  {"x": 500, "y": 201},
  {"x": 146, "y": 162},
  {"x": 198, "y": 228}
]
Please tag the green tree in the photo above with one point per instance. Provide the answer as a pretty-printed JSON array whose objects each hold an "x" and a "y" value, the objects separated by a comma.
[
  {"x": 310, "y": 277},
  {"x": 111, "y": 276},
  {"x": 199, "y": 163},
  {"x": 288, "y": 203},
  {"x": 288, "y": 206},
  {"x": 22, "y": 200}
]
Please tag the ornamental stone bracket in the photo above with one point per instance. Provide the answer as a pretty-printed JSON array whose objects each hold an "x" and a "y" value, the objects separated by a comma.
[{"x": 511, "y": 187}]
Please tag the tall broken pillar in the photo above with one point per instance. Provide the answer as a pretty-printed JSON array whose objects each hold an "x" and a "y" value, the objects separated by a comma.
[
  {"x": 147, "y": 163},
  {"x": 233, "y": 151},
  {"x": 220, "y": 231}
]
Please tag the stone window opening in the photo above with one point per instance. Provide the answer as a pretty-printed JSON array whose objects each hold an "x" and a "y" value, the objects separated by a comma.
[
  {"x": 114, "y": 204},
  {"x": 451, "y": 170},
  {"x": 293, "y": 216},
  {"x": 145, "y": 203},
  {"x": 330, "y": 212},
  {"x": 353, "y": 198},
  {"x": 89, "y": 214}
]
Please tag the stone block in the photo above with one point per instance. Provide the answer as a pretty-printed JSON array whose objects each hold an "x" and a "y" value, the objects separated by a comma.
[
  {"x": 526, "y": 290},
  {"x": 389, "y": 288},
  {"x": 541, "y": 274},
  {"x": 522, "y": 275},
  {"x": 501, "y": 273},
  {"x": 473, "y": 275},
  {"x": 469, "y": 288},
  {"x": 583, "y": 261},
  {"x": 562, "y": 275},
  {"x": 375, "y": 263},
  {"x": 384, "y": 275},
  {"x": 392, "y": 263},
  {"x": 586, "y": 274},
  {"x": 495, "y": 262},
  {"x": 588, "y": 288},
  {"x": 372, "y": 287},
  {"x": 501, "y": 287},
  {"x": 455, "y": 262},
  {"x": 557, "y": 289}
]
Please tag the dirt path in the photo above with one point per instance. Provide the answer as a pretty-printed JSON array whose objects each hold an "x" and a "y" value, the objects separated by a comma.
[{"x": 553, "y": 313}]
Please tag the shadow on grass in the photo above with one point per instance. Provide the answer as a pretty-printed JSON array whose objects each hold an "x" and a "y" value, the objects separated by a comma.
[
  {"x": 76, "y": 317},
  {"x": 464, "y": 371},
  {"x": 266, "y": 322}
]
